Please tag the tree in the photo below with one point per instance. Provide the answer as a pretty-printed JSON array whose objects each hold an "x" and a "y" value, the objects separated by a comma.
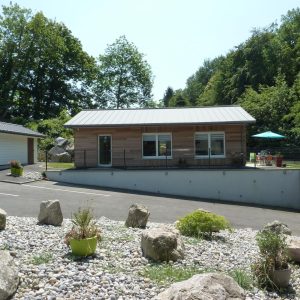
[
  {"x": 179, "y": 100},
  {"x": 269, "y": 105},
  {"x": 43, "y": 67},
  {"x": 124, "y": 78},
  {"x": 167, "y": 96}
]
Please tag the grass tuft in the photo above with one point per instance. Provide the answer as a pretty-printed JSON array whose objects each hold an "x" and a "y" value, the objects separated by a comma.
[
  {"x": 243, "y": 279},
  {"x": 167, "y": 274},
  {"x": 42, "y": 259}
]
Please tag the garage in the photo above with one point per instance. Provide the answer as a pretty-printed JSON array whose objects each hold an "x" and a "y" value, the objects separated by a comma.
[{"x": 18, "y": 143}]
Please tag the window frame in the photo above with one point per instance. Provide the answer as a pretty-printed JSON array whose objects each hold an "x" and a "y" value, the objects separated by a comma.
[
  {"x": 209, "y": 133},
  {"x": 157, "y": 134}
]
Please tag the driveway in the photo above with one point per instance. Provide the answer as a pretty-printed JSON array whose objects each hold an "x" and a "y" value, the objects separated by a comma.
[{"x": 24, "y": 200}]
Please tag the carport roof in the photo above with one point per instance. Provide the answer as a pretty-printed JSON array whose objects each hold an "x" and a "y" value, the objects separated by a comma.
[
  {"x": 161, "y": 116},
  {"x": 18, "y": 129}
]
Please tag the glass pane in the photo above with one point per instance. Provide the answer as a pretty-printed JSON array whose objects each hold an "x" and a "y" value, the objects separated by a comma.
[
  {"x": 201, "y": 144},
  {"x": 149, "y": 145},
  {"x": 105, "y": 150},
  {"x": 164, "y": 145},
  {"x": 217, "y": 144}
]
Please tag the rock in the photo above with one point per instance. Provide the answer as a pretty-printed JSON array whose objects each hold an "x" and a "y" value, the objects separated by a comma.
[
  {"x": 55, "y": 151},
  {"x": 9, "y": 279},
  {"x": 61, "y": 142},
  {"x": 209, "y": 286},
  {"x": 294, "y": 248},
  {"x": 63, "y": 157},
  {"x": 162, "y": 244},
  {"x": 3, "y": 215},
  {"x": 50, "y": 213},
  {"x": 277, "y": 227},
  {"x": 137, "y": 216}
]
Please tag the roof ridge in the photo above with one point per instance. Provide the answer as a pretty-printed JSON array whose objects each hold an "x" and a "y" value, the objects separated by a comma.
[{"x": 159, "y": 108}]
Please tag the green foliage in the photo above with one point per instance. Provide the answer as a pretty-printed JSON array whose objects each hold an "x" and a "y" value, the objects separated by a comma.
[
  {"x": 43, "y": 258},
  {"x": 243, "y": 279},
  {"x": 84, "y": 226},
  {"x": 273, "y": 247},
  {"x": 201, "y": 223},
  {"x": 179, "y": 100},
  {"x": 43, "y": 67},
  {"x": 168, "y": 96},
  {"x": 167, "y": 274},
  {"x": 52, "y": 128},
  {"x": 261, "y": 74},
  {"x": 273, "y": 256},
  {"x": 124, "y": 77}
]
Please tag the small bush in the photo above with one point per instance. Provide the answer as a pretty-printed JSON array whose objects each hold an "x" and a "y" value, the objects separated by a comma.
[{"x": 201, "y": 223}]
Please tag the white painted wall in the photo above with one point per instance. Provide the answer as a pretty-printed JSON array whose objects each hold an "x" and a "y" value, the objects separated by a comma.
[
  {"x": 264, "y": 187},
  {"x": 13, "y": 146}
]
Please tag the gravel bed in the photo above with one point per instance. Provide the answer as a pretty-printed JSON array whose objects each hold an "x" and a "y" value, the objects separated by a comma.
[{"x": 114, "y": 272}]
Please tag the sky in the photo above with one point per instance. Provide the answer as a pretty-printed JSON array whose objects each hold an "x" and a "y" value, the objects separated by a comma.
[{"x": 175, "y": 36}]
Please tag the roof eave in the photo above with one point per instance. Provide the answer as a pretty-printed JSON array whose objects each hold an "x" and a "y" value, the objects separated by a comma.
[
  {"x": 38, "y": 135},
  {"x": 160, "y": 124}
]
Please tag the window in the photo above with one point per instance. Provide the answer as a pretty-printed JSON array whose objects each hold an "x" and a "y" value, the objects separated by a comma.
[
  {"x": 157, "y": 145},
  {"x": 211, "y": 144}
]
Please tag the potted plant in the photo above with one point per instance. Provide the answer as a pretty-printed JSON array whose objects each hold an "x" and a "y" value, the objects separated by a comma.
[
  {"x": 272, "y": 269},
  {"x": 84, "y": 234},
  {"x": 278, "y": 159},
  {"x": 16, "y": 168}
]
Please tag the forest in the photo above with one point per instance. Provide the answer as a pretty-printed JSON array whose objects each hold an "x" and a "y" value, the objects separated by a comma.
[{"x": 46, "y": 76}]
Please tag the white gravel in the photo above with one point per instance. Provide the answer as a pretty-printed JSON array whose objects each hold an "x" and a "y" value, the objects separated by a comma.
[{"x": 115, "y": 271}]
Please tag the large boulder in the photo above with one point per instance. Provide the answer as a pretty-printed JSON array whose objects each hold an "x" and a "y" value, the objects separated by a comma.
[
  {"x": 137, "y": 216},
  {"x": 162, "y": 244},
  {"x": 209, "y": 286},
  {"x": 2, "y": 219},
  {"x": 277, "y": 227},
  {"x": 62, "y": 157},
  {"x": 50, "y": 213},
  {"x": 56, "y": 150},
  {"x": 293, "y": 248},
  {"x": 9, "y": 279}
]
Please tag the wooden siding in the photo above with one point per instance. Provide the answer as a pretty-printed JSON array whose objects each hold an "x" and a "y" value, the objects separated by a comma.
[{"x": 129, "y": 139}]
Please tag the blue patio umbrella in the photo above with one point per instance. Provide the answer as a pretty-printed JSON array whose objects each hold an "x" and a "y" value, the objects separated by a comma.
[{"x": 269, "y": 135}]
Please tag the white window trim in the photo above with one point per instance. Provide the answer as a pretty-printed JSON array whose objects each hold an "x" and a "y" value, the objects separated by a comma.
[
  {"x": 156, "y": 145},
  {"x": 209, "y": 133},
  {"x": 105, "y": 165}
]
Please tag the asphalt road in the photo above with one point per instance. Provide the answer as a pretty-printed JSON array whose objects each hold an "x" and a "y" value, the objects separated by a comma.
[{"x": 24, "y": 200}]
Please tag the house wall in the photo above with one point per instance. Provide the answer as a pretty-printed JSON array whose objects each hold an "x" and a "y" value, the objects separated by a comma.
[
  {"x": 13, "y": 146},
  {"x": 130, "y": 140}
]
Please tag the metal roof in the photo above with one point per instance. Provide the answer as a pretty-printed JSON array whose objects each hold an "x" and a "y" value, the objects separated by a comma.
[
  {"x": 18, "y": 129},
  {"x": 161, "y": 116}
]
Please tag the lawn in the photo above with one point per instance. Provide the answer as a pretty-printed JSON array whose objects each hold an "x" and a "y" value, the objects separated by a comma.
[
  {"x": 292, "y": 164},
  {"x": 58, "y": 165}
]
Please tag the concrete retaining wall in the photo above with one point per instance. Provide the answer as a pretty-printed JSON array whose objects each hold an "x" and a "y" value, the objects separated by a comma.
[{"x": 280, "y": 188}]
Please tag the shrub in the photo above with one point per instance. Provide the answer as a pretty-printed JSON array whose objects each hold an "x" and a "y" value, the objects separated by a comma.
[
  {"x": 202, "y": 223},
  {"x": 83, "y": 226},
  {"x": 273, "y": 256}
]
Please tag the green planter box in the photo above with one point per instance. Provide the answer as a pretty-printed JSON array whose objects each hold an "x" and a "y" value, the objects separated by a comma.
[{"x": 17, "y": 172}]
